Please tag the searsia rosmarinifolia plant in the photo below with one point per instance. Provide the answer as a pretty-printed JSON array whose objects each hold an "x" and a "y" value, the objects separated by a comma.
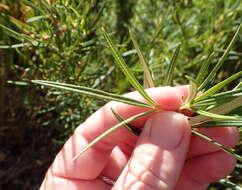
[{"x": 212, "y": 107}]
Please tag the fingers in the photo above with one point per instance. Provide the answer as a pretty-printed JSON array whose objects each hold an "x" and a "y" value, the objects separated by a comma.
[
  {"x": 199, "y": 172},
  {"x": 53, "y": 182},
  {"x": 227, "y": 136},
  {"x": 201, "y": 152},
  {"x": 117, "y": 161},
  {"x": 92, "y": 162},
  {"x": 206, "y": 163},
  {"x": 159, "y": 155}
]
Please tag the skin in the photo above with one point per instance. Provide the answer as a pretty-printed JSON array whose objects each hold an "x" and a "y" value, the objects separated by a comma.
[{"x": 166, "y": 156}]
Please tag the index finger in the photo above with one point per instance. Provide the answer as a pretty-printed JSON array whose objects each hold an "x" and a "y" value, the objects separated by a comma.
[{"x": 91, "y": 163}]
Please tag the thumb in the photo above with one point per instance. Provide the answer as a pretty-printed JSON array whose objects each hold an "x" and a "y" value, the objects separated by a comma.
[{"x": 159, "y": 155}]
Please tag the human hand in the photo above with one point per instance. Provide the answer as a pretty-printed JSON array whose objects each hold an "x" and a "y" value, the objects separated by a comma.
[{"x": 164, "y": 157}]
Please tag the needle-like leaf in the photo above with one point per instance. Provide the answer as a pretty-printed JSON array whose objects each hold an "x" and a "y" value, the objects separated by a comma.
[
  {"x": 217, "y": 116},
  {"x": 107, "y": 132},
  {"x": 15, "y": 46},
  {"x": 92, "y": 92},
  {"x": 37, "y": 18},
  {"x": 127, "y": 72},
  {"x": 204, "y": 69},
  {"x": 15, "y": 34},
  {"x": 227, "y": 150},
  {"x": 171, "y": 67},
  {"x": 229, "y": 184},
  {"x": 220, "y": 98},
  {"x": 222, "y": 59},
  {"x": 222, "y": 109},
  {"x": 32, "y": 5},
  {"x": 148, "y": 81},
  {"x": 219, "y": 123},
  {"x": 21, "y": 25},
  {"x": 192, "y": 90},
  {"x": 238, "y": 86},
  {"x": 134, "y": 130},
  {"x": 218, "y": 86}
]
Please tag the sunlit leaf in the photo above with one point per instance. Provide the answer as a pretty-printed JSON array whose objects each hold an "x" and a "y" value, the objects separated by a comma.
[
  {"x": 238, "y": 86},
  {"x": 192, "y": 89},
  {"x": 37, "y": 18},
  {"x": 32, "y": 5},
  {"x": 204, "y": 69},
  {"x": 130, "y": 76},
  {"x": 222, "y": 59},
  {"x": 229, "y": 184},
  {"x": 134, "y": 130},
  {"x": 15, "y": 34},
  {"x": 222, "y": 109},
  {"x": 18, "y": 83},
  {"x": 148, "y": 81},
  {"x": 110, "y": 130},
  {"x": 15, "y": 46},
  {"x": 219, "y": 123},
  {"x": 216, "y": 116},
  {"x": 21, "y": 25},
  {"x": 218, "y": 86},
  {"x": 220, "y": 98},
  {"x": 92, "y": 92},
  {"x": 220, "y": 146},
  {"x": 171, "y": 67}
]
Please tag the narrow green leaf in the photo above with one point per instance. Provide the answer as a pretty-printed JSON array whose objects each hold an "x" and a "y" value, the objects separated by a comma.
[
  {"x": 172, "y": 66},
  {"x": 74, "y": 10},
  {"x": 220, "y": 98},
  {"x": 15, "y": 46},
  {"x": 228, "y": 107},
  {"x": 217, "y": 116},
  {"x": 130, "y": 76},
  {"x": 238, "y": 86},
  {"x": 18, "y": 83},
  {"x": 92, "y": 92},
  {"x": 222, "y": 59},
  {"x": 37, "y": 18},
  {"x": 237, "y": 110},
  {"x": 15, "y": 34},
  {"x": 192, "y": 90},
  {"x": 204, "y": 70},
  {"x": 21, "y": 25},
  {"x": 99, "y": 15},
  {"x": 227, "y": 150},
  {"x": 229, "y": 184},
  {"x": 129, "y": 52},
  {"x": 232, "y": 53},
  {"x": 32, "y": 5},
  {"x": 218, "y": 86},
  {"x": 148, "y": 81},
  {"x": 134, "y": 130},
  {"x": 223, "y": 109},
  {"x": 219, "y": 123},
  {"x": 110, "y": 130}
]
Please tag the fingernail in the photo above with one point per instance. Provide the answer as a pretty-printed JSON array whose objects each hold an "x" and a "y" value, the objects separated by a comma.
[{"x": 166, "y": 129}]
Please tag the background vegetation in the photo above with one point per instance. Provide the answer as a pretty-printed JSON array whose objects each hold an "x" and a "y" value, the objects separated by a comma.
[{"x": 61, "y": 40}]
